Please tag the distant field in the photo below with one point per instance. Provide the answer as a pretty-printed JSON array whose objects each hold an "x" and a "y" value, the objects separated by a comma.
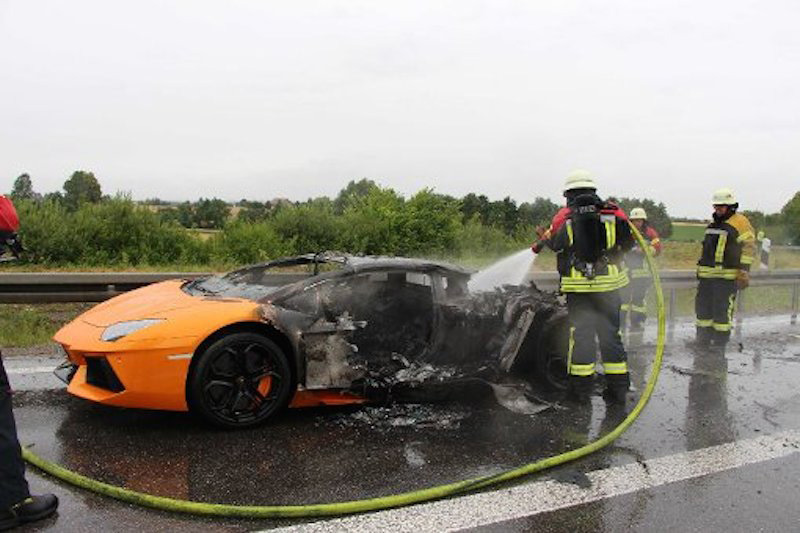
[
  {"x": 687, "y": 232},
  {"x": 203, "y": 234},
  {"x": 683, "y": 255}
]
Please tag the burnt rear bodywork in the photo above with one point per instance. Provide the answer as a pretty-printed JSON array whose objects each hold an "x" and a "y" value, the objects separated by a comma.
[{"x": 389, "y": 327}]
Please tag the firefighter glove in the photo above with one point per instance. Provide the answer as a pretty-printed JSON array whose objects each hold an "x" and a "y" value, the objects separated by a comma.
[{"x": 742, "y": 279}]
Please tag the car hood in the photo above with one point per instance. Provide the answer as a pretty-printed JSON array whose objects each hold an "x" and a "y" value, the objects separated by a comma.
[{"x": 152, "y": 301}]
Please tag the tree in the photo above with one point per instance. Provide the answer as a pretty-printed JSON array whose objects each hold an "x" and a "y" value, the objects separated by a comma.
[
  {"x": 80, "y": 188},
  {"x": 656, "y": 213},
  {"x": 23, "y": 188},
  {"x": 790, "y": 216},
  {"x": 252, "y": 211},
  {"x": 211, "y": 213},
  {"x": 539, "y": 213},
  {"x": 503, "y": 214},
  {"x": 354, "y": 191},
  {"x": 472, "y": 205},
  {"x": 429, "y": 224},
  {"x": 185, "y": 215}
]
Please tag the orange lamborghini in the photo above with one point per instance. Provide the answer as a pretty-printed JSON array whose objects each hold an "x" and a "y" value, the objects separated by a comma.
[{"x": 237, "y": 348}]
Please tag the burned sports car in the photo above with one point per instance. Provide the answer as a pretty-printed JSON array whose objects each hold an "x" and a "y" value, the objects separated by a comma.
[{"x": 237, "y": 348}]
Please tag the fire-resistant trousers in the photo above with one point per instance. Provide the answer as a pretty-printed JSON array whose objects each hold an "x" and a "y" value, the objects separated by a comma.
[
  {"x": 633, "y": 296},
  {"x": 13, "y": 487},
  {"x": 714, "y": 305},
  {"x": 596, "y": 316}
]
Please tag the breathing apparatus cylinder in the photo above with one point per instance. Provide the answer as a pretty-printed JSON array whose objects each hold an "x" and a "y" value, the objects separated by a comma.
[{"x": 589, "y": 239}]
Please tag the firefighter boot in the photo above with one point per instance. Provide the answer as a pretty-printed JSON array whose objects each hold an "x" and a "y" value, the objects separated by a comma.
[
  {"x": 617, "y": 386},
  {"x": 30, "y": 509},
  {"x": 579, "y": 389}
]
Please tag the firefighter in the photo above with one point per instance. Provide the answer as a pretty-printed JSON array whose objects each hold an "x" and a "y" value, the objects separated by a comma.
[
  {"x": 723, "y": 269},
  {"x": 9, "y": 226},
  {"x": 633, "y": 295},
  {"x": 590, "y": 237},
  {"x": 17, "y": 506}
]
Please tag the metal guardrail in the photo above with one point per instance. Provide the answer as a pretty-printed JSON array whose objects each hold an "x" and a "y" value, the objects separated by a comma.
[
  {"x": 25, "y": 287},
  {"x": 674, "y": 280},
  {"x": 30, "y": 287}
]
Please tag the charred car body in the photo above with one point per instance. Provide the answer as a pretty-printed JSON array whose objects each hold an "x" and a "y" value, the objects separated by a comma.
[{"x": 236, "y": 348}]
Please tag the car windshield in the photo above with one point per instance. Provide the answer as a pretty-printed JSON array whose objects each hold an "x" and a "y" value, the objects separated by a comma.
[{"x": 255, "y": 282}]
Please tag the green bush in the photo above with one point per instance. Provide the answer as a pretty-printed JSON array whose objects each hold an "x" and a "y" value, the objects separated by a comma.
[
  {"x": 372, "y": 223},
  {"x": 428, "y": 225},
  {"x": 474, "y": 240},
  {"x": 243, "y": 242},
  {"x": 307, "y": 228},
  {"x": 378, "y": 221},
  {"x": 115, "y": 232}
]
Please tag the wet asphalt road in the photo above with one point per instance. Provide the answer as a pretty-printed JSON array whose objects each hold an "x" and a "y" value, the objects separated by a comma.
[{"x": 334, "y": 454}]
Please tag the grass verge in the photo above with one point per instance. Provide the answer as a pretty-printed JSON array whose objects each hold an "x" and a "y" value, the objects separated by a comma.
[{"x": 23, "y": 325}]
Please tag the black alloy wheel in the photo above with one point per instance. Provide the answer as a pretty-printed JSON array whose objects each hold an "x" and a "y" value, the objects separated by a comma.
[{"x": 240, "y": 381}]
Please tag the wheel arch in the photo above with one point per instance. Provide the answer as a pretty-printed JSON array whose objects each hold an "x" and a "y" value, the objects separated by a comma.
[{"x": 267, "y": 330}]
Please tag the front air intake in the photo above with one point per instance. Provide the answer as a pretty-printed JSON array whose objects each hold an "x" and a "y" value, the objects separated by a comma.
[{"x": 100, "y": 374}]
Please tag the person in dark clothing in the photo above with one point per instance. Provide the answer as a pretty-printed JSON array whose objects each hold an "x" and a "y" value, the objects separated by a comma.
[
  {"x": 590, "y": 237},
  {"x": 17, "y": 506}
]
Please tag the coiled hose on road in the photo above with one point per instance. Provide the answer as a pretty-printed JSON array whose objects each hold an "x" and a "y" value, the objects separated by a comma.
[{"x": 384, "y": 502}]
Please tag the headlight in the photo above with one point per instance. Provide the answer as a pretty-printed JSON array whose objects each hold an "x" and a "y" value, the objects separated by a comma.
[{"x": 121, "y": 329}]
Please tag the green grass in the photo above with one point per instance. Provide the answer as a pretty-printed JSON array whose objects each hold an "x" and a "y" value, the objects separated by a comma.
[
  {"x": 31, "y": 325},
  {"x": 683, "y": 256},
  {"x": 756, "y": 301},
  {"x": 687, "y": 232}
]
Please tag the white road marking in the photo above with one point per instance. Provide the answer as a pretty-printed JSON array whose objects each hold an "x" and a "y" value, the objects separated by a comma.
[
  {"x": 538, "y": 497},
  {"x": 31, "y": 370}
]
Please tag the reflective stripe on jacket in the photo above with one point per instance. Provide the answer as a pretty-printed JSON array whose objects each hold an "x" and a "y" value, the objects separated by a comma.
[{"x": 728, "y": 246}]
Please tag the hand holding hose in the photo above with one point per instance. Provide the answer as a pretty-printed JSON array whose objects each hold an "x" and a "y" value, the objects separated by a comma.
[{"x": 742, "y": 279}]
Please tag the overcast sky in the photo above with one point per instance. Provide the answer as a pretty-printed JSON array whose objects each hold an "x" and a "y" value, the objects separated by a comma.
[{"x": 667, "y": 99}]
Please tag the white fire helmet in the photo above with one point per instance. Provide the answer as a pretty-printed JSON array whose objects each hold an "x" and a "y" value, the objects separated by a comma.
[
  {"x": 724, "y": 196},
  {"x": 637, "y": 213},
  {"x": 579, "y": 179}
]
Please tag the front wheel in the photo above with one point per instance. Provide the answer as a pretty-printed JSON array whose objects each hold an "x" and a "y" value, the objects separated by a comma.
[{"x": 240, "y": 381}]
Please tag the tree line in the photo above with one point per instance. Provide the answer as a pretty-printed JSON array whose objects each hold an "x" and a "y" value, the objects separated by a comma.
[
  {"x": 82, "y": 226},
  {"x": 213, "y": 213}
]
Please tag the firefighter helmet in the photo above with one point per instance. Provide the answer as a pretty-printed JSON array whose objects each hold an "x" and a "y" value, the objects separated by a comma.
[
  {"x": 579, "y": 179},
  {"x": 637, "y": 213},
  {"x": 724, "y": 196}
]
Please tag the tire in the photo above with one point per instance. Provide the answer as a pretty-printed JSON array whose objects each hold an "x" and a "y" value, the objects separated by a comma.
[
  {"x": 240, "y": 381},
  {"x": 551, "y": 352}
]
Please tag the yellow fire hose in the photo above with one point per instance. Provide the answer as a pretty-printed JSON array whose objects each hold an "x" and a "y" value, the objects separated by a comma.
[{"x": 384, "y": 502}]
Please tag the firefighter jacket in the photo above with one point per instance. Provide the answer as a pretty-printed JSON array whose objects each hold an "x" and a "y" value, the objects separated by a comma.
[
  {"x": 635, "y": 259},
  {"x": 610, "y": 273},
  {"x": 728, "y": 246}
]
